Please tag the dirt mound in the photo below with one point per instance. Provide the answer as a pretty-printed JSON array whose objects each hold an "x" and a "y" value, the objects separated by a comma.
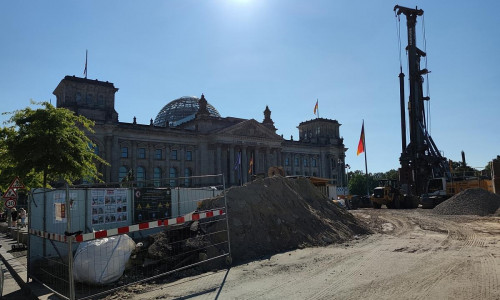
[
  {"x": 277, "y": 214},
  {"x": 470, "y": 202}
]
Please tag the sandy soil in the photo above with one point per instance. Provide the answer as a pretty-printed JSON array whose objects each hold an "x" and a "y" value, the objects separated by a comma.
[{"x": 414, "y": 254}]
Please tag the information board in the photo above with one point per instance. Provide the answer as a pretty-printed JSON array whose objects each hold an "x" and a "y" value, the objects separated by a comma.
[{"x": 152, "y": 204}]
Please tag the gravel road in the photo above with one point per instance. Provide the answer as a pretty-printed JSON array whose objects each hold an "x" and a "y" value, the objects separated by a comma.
[{"x": 414, "y": 254}]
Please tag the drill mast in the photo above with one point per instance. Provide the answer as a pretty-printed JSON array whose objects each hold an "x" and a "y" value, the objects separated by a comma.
[{"x": 420, "y": 160}]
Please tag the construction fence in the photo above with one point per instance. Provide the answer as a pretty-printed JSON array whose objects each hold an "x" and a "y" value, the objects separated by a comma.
[{"x": 88, "y": 240}]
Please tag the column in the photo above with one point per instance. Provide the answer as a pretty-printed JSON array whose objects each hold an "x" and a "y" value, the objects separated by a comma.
[
  {"x": 181, "y": 156},
  {"x": 322, "y": 165},
  {"x": 279, "y": 158},
  {"x": 267, "y": 160},
  {"x": 244, "y": 164},
  {"x": 256, "y": 161},
  {"x": 133, "y": 157},
  {"x": 232, "y": 159},
  {"x": 218, "y": 160},
  {"x": 108, "y": 148}
]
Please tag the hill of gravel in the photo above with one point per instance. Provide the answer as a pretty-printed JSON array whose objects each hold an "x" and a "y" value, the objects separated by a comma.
[
  {"x": 470, "y": 202},
  {"x": 277, "y": 214}
]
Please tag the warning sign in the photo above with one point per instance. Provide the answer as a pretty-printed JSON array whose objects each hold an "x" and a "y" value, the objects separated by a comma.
[
  {"x": 16, "y": 184},
  {"x": 10, "y": 194}
]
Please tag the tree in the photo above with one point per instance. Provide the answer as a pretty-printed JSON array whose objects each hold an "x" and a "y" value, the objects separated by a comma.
[
  {"x": 358, "y": 181},
  {"x": 8, "y": 170},
  {"x": 50, "y": 142}
]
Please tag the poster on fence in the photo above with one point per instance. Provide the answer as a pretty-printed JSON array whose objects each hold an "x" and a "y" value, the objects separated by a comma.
[
  {"x": 109, "y": 206},
  {"x": 152, "y": 204},
  {"x": 60, "y": 205}
]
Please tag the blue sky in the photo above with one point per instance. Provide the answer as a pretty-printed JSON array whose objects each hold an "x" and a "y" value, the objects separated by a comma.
[{"x": 246, "y": 54}]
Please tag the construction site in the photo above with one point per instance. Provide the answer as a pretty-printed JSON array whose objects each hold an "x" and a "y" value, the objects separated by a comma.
[{"x": 430, "y": 234}]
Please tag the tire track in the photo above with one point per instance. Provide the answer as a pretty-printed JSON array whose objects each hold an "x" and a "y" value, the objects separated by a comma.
[
  {"x": 469, "y": 243},
  {"x": 298, "y": 278},
  {"x": 402, "y": 227}
]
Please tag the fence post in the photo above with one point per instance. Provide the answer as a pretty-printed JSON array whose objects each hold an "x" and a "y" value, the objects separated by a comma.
[
  {"x": 178, "y": 201},
  {"x": 70, "y": 246},
  {"x": 28, "y": 221},
  {"x": 227, "y": 221}
]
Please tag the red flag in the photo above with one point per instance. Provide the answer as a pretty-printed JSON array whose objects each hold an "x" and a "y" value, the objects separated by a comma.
[
  {"x": 361, "y": 144},
  {"x": 316, "y": 106}
]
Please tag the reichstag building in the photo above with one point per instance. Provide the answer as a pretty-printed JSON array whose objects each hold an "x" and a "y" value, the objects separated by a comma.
[{"x": 188, "y": 137}]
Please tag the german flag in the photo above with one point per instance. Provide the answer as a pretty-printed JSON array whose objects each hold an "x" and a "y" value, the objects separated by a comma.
[{"x": 361, "y": 144}]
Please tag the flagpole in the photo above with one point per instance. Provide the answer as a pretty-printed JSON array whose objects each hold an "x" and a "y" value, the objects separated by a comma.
[
  {"x": 317, "y": 101},
  {"x": 85, "y": 70},
  {"x": 366, "y": 164}
]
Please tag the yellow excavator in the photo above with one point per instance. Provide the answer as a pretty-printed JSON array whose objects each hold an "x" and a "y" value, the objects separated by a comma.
[{"x": 389, "y": 193}]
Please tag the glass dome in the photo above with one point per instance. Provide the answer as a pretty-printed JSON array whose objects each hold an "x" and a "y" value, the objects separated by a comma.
[{"x": 180, "y": 111}]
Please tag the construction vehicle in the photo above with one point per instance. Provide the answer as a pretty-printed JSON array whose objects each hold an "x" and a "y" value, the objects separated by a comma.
[
  {"x": 424, "y": 173},
  {"x": 421, "y": 160},
  {"x": 389, "y": 193},
  {"x": 463, "y": 178},
  {"x": 440, "y": 189}
]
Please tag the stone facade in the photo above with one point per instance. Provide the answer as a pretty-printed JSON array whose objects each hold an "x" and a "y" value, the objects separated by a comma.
[{"x": 204, "y": 145}]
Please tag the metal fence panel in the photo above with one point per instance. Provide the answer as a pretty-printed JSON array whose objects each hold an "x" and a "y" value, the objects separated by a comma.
[{"x": 108, "y": 238}]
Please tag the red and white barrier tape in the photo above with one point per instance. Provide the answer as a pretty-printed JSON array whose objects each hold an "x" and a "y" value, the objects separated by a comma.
[
  {"x": 132, "y": 228},
  {"x": 50, "y": 236}
]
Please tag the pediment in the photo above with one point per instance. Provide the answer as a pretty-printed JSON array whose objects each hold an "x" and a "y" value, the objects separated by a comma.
[{"x": 249, "y": 128}]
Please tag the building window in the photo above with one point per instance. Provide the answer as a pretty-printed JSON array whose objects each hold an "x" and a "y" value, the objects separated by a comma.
[
  {"x": 158, "y": 154},
  {"x": 141, "y": 176},
  {"x": 305, "y": 162},
  {"x": 157, "y": 177},
  {"x": 122, "y": 173},
  {"x": 141, "y": 153},
  {"x": 173, "y": 155},
  {"x": 287, "y": 161},
  {"x": 124, "y": 152},
  {"x": 187, "y": 175},
  {"x": 314, "y": 164},
  {"x": 173, "y": 176},
  {"x": 189, "y": 155},
  {"x": 296, "y": 162}
]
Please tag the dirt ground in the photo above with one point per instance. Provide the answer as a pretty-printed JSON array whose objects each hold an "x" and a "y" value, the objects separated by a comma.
[{"x": 414, "y": 254}]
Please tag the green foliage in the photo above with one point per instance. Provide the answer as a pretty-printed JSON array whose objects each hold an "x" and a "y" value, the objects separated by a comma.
[
  {"x": 49, "y": 142},
  {"x": 8, "y": 170},
  {"x": 358, "y": 181}
]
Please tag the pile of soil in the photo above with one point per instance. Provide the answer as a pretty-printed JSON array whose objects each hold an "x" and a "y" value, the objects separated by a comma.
[
  {"x": 470, "y": 202},
  {"x": 277, "y": 214}
]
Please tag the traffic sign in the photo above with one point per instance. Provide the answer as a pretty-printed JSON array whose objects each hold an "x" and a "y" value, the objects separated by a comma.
[
  {"x": 10, "y": 194},
  {"x": 11, "y": 203},
  {"x": 16, "y": 184}
]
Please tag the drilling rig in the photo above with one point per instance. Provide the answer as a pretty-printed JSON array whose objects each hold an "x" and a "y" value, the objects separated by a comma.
[
  {"x": 424, "y": 175},
  {"x": 420, "y": 159}
]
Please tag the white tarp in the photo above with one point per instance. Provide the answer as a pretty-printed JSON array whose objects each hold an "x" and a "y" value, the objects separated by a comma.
[{"x": 102, "y": 261}]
